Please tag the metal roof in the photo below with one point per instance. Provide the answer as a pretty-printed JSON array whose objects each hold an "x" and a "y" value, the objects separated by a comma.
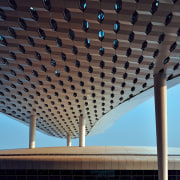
[
  {"x": 92, "y": 157},
  {"x": 61, "y": 59}
]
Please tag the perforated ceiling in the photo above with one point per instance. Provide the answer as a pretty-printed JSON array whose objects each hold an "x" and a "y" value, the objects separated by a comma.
[{"x": 60, "y": 59}]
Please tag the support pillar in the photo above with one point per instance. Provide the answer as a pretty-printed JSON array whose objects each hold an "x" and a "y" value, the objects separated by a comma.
[
  {"x": 32, "y": 131},
  {"x": 160, "y": 92},
  {"x": 81, "y": 132},
  {"x": 68, "y": 140}
]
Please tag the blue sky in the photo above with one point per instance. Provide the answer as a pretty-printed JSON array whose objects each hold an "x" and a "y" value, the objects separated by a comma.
[{"x": 136, "y": 128}]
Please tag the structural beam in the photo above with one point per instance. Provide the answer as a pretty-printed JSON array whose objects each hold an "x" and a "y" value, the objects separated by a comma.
[
  {"x": 32, "y": 131},
  {"x": 160, "y": 92},
  {"x": 68, "y": 140},
  {"x": 81, "y": 131}
]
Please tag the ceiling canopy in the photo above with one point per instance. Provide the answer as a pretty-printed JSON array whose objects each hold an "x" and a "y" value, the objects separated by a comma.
[{"x": 61, "y": 59}]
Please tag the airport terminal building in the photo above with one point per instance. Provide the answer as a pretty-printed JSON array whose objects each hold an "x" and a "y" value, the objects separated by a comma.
[{"x": 71, "y": 68}]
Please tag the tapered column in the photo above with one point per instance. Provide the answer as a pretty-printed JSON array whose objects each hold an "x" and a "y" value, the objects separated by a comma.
[
  {"x": 81, "y": 132},
  {"x": 68, "y": 140},
  {"x": 32, "y": 131},
  {"x": 160, "y": 91}
]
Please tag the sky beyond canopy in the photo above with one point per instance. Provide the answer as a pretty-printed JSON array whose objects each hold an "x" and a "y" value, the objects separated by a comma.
[{"x": 136, "y": 128}]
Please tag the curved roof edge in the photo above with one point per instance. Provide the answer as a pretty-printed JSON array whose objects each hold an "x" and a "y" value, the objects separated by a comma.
[
  {"x": 87, "y": 158},
  {"x": 112, "y": 116}
]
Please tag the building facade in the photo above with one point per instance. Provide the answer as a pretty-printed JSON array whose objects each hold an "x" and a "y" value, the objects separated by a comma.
[{"x": 72, "y": 68}]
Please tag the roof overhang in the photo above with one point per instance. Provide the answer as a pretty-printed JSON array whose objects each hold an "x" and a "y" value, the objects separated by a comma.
[{"x": 49, "y": 69}]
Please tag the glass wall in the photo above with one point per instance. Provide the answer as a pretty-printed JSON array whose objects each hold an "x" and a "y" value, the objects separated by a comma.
[{"x": 85, "y": 175}]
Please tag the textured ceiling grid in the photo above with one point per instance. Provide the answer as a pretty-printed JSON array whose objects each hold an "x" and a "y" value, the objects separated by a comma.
[{"x": 51, "y": 64}]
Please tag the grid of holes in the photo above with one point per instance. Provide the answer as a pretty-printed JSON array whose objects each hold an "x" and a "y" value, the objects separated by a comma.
[{"x": 43, "y": 68}]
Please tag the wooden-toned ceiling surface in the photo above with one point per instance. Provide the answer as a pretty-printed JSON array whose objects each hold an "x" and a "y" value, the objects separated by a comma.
[{"x": 64, "y": 58}]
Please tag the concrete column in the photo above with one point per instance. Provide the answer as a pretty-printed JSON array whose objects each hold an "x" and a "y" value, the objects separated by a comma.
[
  {"x": 160, "y": 92},
  {"x": 32, "y": 131},
  {"x": 81, "y": 132},
  {"x": 68, "y": 140}
]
